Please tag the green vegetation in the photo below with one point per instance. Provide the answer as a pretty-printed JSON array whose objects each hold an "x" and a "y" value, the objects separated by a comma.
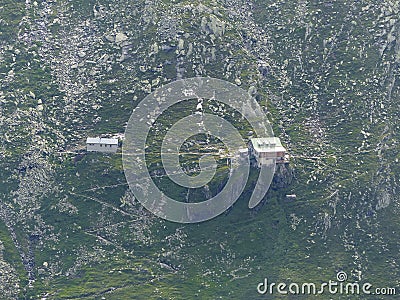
[{"x": 326, "y": 74}]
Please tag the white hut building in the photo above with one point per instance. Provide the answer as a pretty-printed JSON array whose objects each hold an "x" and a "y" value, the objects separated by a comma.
[
  {"x": 98, "y": 144},
  {"x": 266, "y": 149},
  {"x": 243, "y": 153}
]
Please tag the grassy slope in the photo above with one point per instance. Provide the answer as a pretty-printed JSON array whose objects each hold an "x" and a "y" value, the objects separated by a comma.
[{"x": 241, "y": 240}]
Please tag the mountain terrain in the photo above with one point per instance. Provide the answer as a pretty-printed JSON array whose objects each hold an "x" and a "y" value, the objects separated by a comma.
[{"x": 326, "y": 73}]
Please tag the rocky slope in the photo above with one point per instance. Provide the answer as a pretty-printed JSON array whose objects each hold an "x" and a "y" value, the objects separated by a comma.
[{"x": 326, "y": 74}]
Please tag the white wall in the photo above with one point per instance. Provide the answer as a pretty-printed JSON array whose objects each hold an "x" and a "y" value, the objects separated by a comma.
[{"x": 101, "y": 148}]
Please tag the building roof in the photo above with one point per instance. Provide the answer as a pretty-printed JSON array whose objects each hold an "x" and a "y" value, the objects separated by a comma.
[
  {"x": 98, "y": 140},
  {"x": 269, "y": 144}
]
